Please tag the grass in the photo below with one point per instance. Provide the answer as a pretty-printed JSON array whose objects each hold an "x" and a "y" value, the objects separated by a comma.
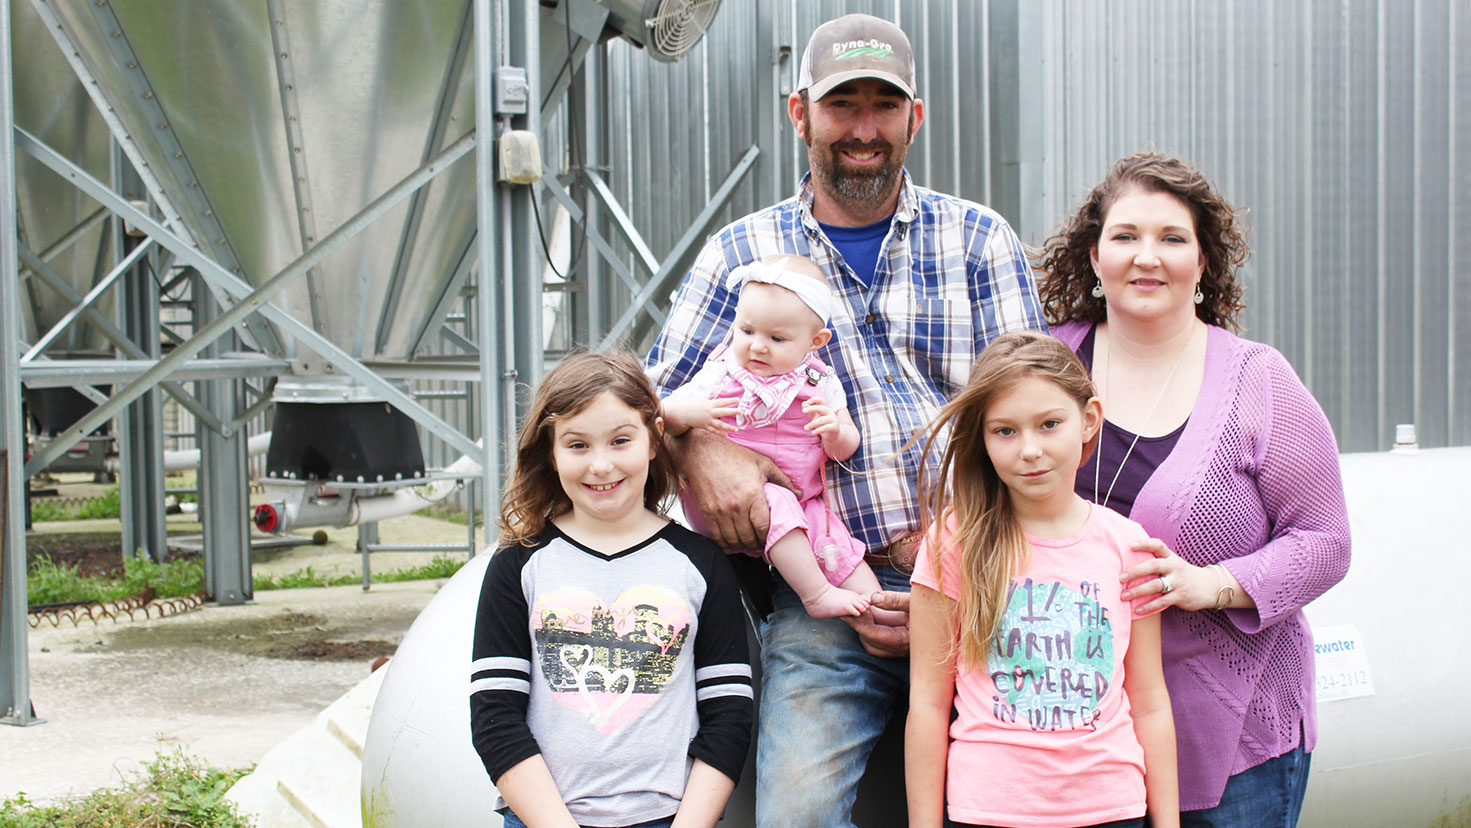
[
  {"x": 178, "y": 791},
  {"x": 439, "y": 566},
  {"x": 50, "y": 583},
  {"x": 106, "y": 505}
]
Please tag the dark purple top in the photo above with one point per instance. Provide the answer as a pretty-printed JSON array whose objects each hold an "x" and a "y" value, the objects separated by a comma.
[{"x": 1113, "y": 449}]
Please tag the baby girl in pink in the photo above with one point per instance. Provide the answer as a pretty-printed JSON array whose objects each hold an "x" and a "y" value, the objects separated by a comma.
[{"x": 767, "y": 390}]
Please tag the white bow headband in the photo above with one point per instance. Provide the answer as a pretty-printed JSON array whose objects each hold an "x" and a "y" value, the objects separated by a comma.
[{"x": 813, "y": 293}]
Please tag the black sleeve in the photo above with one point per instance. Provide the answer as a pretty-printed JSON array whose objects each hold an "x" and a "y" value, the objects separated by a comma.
[
  {"x": 722, "y": 666},
  {"x": 500, "y": 667}
]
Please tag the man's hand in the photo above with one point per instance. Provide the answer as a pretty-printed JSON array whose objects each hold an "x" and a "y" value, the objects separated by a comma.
[
  {"x": 726, "y": 481},
  {"x": 879, "y": 640}
]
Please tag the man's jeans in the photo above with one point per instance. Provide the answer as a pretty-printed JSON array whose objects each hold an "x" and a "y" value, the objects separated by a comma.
[{"x": 824, "y": 703}]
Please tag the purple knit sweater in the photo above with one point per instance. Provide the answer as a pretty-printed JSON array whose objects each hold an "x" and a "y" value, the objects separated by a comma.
[{"x": 1253, "y": 483}]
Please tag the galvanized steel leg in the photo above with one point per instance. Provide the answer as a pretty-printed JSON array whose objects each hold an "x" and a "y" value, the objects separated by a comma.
[
  {"x": 140, "y": 425},
  {"x": 224, "y": 506},
  {"x": 15, "y": 669},
  {"x": 367, "y": 538}
]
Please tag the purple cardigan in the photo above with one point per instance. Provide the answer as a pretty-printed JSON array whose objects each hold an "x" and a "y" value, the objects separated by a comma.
[{"x": 1253, "y": 483}]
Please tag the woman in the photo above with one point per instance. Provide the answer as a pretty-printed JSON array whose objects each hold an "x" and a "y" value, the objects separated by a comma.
[{"x": 1213, "y": 444}]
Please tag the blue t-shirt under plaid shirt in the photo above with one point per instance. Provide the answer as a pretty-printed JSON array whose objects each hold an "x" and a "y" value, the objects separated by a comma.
[{"x": 951, "y": 276}]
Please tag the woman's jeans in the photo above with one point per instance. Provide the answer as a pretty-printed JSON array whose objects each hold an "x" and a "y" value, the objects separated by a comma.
[
  {"x": 1266, "y": 796},
  {"x": 824, "y": 704}
]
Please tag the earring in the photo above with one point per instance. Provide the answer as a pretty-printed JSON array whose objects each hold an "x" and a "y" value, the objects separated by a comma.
[
  {"x": 1098, "y": 290},
  {"x": 1199, "y": 297}
]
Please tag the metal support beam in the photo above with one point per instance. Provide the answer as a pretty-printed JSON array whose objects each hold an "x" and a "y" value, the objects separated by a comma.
[
  {"x": 72, "y": 237},
  {"x": 674, "y": 263},
  {"x": 224, "y": 507},
  {"x": 112, "y": 332},
  {"x": 521, "y": 320},
  {"x": 306, "y": 223},
  {"x": 574, "y": 212},
  {"x": 15, "y": 669},
  {"x": 621, "y": 219},
  {"x": 250, "y": 301},
  {"x": 140, "y": 425},
  {"x": 493, "y": 423},
  {"x": 87, "y": 301}
]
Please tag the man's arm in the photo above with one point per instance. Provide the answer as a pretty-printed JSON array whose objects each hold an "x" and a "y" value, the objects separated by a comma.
[{"x": 727, "y": 481}]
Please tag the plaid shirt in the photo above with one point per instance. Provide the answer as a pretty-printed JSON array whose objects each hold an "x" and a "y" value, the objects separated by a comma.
[{"x": 951, "y": 276}]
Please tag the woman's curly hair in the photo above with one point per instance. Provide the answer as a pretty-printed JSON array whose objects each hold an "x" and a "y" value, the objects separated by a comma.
[{"x": 1066, "y": 263}]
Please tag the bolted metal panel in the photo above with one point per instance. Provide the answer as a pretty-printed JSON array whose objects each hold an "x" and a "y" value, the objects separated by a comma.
[{"x": 1341, "y": 125}]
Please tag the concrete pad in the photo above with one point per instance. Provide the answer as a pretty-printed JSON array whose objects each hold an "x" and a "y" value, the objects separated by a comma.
[{"x": 226, "y": 683}]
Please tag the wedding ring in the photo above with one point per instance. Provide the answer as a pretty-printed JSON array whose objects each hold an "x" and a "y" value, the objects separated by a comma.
[{"x": 1164, "y": 585}]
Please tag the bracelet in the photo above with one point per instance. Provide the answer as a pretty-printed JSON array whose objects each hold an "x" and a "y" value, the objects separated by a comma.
[{"x": 1227, "y": 593}]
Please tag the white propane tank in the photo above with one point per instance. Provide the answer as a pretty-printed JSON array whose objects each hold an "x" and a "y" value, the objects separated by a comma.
[
  {"x": 419, "y": 767},
  {"x": 1394, "y": 733},
  {"x": 1394, "y": 736}
]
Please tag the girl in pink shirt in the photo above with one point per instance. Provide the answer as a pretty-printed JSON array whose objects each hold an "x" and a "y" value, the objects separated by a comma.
[{"x": 1017, "y": 621}]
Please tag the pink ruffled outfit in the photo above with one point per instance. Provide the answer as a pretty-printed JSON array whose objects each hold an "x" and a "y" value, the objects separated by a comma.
[{"x": 777, "y": 431}]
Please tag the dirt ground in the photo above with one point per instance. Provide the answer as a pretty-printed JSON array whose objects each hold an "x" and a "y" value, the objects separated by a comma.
[{"x": 93, "y": 553}]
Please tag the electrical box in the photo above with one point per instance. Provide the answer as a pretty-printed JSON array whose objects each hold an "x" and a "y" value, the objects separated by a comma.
[
  {"x": 512, "y": 92},
  {"x": 520, "y": 157}
]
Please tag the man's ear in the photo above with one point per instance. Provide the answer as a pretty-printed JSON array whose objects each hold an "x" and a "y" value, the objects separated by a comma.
[
  {"x": 821, "y": 338},
  {"x": 798, "y": 114},
  {"x": 918, "y": 119}
]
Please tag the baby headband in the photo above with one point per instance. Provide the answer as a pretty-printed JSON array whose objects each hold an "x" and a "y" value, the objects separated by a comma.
[{"x": 813, "y": 293}]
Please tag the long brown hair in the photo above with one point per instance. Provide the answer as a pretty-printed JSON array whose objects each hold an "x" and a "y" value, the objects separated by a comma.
[
  {"x": 534, "y": 493},
  {"x": 1066, "y": 259},
  {"x": 986, "y": 535}
]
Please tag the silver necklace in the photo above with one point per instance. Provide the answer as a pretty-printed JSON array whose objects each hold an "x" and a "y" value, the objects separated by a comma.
[{"x": 1108, "y": 374}]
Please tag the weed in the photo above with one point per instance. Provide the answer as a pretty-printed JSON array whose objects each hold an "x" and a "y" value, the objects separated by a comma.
[
  {"x": 52, "y": 583},
  {"x": 106, "y": 505},
  {"x": 49, "y": 582},
  {"x": 178, "y": 791},
  {"x": 303, "y": 578},
  {"x": 45, "y": 511},
  {"x": 440, "y": 566}
]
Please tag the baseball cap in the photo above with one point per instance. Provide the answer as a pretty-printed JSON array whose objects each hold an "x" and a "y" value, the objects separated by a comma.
[{"x": 856, "y": 46}]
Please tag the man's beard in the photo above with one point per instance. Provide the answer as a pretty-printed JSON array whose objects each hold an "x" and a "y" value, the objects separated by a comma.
[{"x": 861, "y": 186}]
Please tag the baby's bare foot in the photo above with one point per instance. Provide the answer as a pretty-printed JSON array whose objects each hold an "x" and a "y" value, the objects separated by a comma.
[{"x": 831, "y": 602}]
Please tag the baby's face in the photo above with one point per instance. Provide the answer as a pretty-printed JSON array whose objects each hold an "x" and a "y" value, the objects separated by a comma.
[{"x": 774, "y": 331}]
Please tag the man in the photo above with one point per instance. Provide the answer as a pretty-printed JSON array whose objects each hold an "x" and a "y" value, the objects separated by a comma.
[{"x": 921, "y": 281}]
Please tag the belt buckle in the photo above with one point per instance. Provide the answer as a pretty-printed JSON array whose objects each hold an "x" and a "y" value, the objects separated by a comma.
[{"x": 899, "y": 553}]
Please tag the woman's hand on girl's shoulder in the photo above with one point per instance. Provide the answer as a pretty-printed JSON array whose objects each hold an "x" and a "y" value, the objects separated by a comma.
[{"x": 1167, "y": 581}]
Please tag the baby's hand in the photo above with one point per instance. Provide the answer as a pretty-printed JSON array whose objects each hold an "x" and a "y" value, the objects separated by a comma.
[
  {"x": 692, "y": 412},
  {"x": 824, "y": 421}
]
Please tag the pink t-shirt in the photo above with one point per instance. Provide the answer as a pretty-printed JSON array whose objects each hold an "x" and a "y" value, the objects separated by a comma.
[{"x": 1043, "y": 736}]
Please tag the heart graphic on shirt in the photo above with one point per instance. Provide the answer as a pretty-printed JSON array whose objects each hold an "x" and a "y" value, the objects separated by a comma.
[
  {"x": 609, "y": 660},
  {"x": 600, "y": 705}
]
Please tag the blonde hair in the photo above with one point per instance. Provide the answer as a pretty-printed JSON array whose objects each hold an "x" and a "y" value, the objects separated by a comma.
[
  {"x": 986, "y": 537},
  {"x": 534, "y": 493}
]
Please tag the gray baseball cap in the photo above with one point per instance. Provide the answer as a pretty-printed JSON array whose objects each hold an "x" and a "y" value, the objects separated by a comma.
[{"x": 856, "y": 46}]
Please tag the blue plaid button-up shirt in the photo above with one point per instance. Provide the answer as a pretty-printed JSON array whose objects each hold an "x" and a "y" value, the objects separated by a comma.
[{"x": 951, "y": 276}]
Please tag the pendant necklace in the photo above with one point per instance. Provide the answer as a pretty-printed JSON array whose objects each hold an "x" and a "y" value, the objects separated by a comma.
[{"x": 1108, "y": 374}]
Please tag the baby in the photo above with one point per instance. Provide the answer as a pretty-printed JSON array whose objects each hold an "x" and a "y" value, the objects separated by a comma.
[{"x": 766, "y": 390}]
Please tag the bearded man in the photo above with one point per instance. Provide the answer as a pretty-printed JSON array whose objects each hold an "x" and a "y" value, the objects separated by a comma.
[{"x": 921, "y": 282}]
